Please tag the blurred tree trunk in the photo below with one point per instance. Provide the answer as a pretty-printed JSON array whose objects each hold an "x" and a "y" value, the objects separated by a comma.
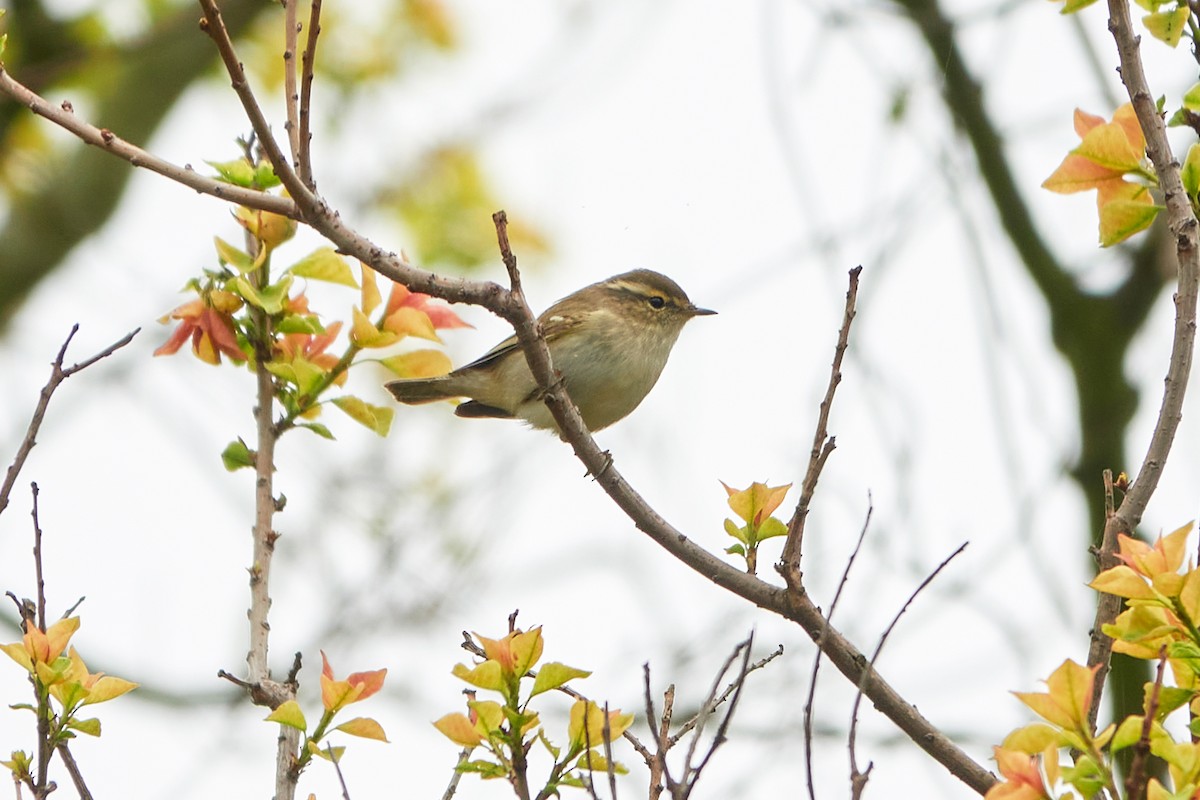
[
  {"x": 1091, "y": 331},
  {"x": 133, "y": 88}
]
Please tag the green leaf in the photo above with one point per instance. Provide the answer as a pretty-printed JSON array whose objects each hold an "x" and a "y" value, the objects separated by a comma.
[
  {"x": 323, "y": 264},
  {"x": 736, "y": 549},
  {"x": 1190, "y": 172},
  {"x": 554, "y": 751},
  {"x": 1121, "y": 219},
  {"x": 323, "y": 752},
  {"x": 264, "y": 176},
  {"x": 299, "y": 372},
  {"x": 594, "y": 761},
  {"x": 89, "y": 726},
  {"x": 1168, "y": 26},
  {"x": 238, "y": 172},
  {"x": 318, "y": 429},
  {"x": 772, "y": 528},
  {"x": 300, "y": 323},
  {"x": 377, "y": 418},
  {"x": 485, "y": 769},
  {"x": 1128, "y": 732},
  {"x": 553, "y": 675},
  {"x": 237, "y": 455},
  {"x": 229, "y": 255},
  {"x": 288, "y": 713},
  {"x": 1071, "y": 6},
  {"x": 741, "y": 534},
  {"x": 269, "y": 298}
]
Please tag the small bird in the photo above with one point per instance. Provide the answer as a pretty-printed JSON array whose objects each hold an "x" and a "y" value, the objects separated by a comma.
[{"x": 609, "y": 341}]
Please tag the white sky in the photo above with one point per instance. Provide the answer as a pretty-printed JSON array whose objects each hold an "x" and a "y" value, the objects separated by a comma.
[{"x": 743, "y": 149}]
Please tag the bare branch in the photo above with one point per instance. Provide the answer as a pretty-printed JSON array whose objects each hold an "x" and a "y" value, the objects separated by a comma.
[
  {"x": 823, "y": 445},
  {"x": 291, "y": 97},
  {"x": 37, "y": 561},
  {"x": 64, "y": 116},
  {"x": 1182, "y": 222},
  {"x": 58, "y": 374},
  {"x": 858, "y": 778},
  {"x": 306, "y": 82},
  {"x": 722, "y": 729}
]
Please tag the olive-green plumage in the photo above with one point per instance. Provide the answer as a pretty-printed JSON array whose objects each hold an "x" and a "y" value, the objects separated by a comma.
[{"x": 609, "y": 341}]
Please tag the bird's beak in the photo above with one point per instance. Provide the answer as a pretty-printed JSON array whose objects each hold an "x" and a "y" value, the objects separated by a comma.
[{"x": 701, "y": 312}]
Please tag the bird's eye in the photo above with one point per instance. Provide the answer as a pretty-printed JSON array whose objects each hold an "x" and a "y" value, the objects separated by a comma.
[{"x": 657, "y": 302}]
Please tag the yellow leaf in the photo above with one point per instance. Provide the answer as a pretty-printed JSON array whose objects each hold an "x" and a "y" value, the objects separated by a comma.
[
  {"x": 1168, "y": 26},
  {"x": 371, "y": 298},
  {"x": 1108, "y": 145},
  {"x": 108, "y": 687},
  {"x": 418, "y": 364},
  {"x": 486, "y": 675},
  {"x": 1033, "y": 738},
  {"x": 409, "y": 321},
  {"x": 377, "y": 418},
  {"x": 363, "y": 332},
  {"x": 288, "y": 713},
  {"x": 1066, "y": 704},
  {"x": 1078, "y": 174},
  {"x": 458, "y": 729},
  {"x": 1189, "y": 595},
  {"x": 363, "y": 727},
  {"x": 1123, "y": 582},
  {"x": 324, "y": 264},
  {"x": 489, "y": 715}
]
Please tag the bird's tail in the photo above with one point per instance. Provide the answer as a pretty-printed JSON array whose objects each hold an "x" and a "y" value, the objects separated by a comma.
[{"x": 423, "y": 390}]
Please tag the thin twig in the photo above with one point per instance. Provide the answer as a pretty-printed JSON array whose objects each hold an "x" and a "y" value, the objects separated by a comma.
[
  {"x": 706, "y": 710},
  {"x": 457, "y": 776},
  {"x": 37, "y": 561},
  {"x": 308, "y": 64},
  {"x": 337, "y": 767},
  {"x": 608, "y": 756},
  {"x": 723, "y": 728},
  {"x": 860, "y": 777},
  {"x": 68, "y": 760},
  {"x": 291, "y": 97},
  {"x": 58, "y": 374},
  {"x": 657, "y": 762},
  {"x": 729, "y": 689},
  {"x": 1137, "y": 780},
  {"x": 1108, "y": 606},
  {"x": 823, "y": 445},
  {"x": 810, "y": 701}
]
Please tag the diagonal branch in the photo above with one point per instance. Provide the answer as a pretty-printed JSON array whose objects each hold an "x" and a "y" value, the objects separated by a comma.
[{"x": 64, "y": 116}]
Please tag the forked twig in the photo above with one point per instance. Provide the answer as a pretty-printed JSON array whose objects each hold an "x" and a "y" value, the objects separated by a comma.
[
  {"x": 58, "y": 374},
  {"x": 823, "y": 445},
  {"x": 857, "y": 778}
]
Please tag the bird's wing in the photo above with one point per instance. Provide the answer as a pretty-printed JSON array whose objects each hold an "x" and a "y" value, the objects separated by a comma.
[{"x": 554, "y": 325}]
